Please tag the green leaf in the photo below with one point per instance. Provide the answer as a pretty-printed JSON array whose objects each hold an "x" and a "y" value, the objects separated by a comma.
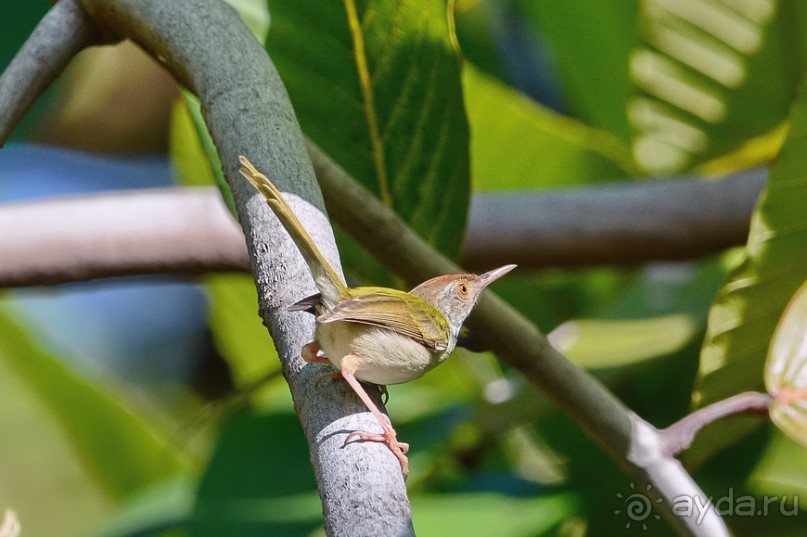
[
  {"x": 259, "y": 481},
  {"x": 518, "y": 144},
  {"x": 377, "y": 86},
  {"x": 123, "y": 450},
  {"x": 747, "y": 308},
  {"x": 591, "y": 41},
  {"x": 703, "y": 70},
  {"x": 192, "y": 149},
  {"x": 241, "y": 338},
  {"x": 596, "y": 344},
  {"x": 163, "y": 506},
  {"x": 490, "y": 514}
]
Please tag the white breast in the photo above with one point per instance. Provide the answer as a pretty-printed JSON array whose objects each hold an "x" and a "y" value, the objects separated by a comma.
[{"x": 387, "y": 357}]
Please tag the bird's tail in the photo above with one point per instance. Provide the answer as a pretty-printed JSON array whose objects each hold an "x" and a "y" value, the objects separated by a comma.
[{"x": 325, "y": 277}]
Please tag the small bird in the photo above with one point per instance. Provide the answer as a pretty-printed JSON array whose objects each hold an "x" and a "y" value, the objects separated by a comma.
[{"x": 376, "y": 334}]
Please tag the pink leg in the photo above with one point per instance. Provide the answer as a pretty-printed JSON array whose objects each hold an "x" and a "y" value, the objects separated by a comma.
[{"x": 350, "y": 363}]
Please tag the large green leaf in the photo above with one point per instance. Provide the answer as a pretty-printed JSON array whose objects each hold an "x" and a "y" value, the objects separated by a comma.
[
  {"x": 518, "y": 144},
  {"x": 591, "y": 41},
  {"x": 123, "y": 450},
  {"x": 711, "y": 74},
  {"x": 747, "y": 308},
  {"x": 377, "y": 86},
  {"x": 490, "y": 514},
  {"x": 259, "y": 481}
]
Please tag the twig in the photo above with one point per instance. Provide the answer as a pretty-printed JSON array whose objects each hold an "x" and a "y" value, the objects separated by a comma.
[{"x": 679, "y": 436}]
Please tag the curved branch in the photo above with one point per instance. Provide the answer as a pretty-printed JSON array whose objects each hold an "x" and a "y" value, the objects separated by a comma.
[
  {"x": 208, "y": 49},
  {"x": 61, "y": 34}
]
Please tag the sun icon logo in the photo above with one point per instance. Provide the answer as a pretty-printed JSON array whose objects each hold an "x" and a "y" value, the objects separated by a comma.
[{"x": 637, "y": 506}]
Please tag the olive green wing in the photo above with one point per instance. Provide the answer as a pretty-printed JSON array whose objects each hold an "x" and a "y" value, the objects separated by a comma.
[{"x": 394, "y": 310}]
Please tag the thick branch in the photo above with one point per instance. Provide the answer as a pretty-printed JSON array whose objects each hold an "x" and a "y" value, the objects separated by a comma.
[
  {"x": 207, "y": 48},
  {"x": 637, "y": 221},
  {"x": 619, "y": 223}
]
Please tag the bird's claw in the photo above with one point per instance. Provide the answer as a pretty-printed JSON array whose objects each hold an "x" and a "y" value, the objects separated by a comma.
[{"x": 388, "y": 437}]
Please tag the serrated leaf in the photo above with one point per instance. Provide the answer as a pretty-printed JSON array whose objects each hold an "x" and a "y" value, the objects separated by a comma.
[
  {"x": 518, "y": 144},
  {"x": 703, "y": 70},
  {"x": 745, "y": 312},
  {"x": 377, "y": 86}
]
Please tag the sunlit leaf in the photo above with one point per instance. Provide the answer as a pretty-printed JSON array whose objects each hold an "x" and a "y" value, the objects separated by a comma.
[
  {"x": 490, "y": 514},
  {"x": 123, "y": 450},
  {"x": 699, "y": 71},
  {"x": 612, "y": 343},
  {"x": 747, "y": 308}
]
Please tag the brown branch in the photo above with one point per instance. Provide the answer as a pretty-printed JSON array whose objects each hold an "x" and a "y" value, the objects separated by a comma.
[
  {"x": 61, "y": 240},
  {"x": 679, "y": 436}
]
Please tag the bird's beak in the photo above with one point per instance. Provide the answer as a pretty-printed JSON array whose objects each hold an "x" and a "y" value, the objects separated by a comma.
[{"x": 493, "y": 275}]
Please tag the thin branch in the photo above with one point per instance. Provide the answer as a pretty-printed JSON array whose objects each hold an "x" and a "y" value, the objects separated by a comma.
[
  {"x": 618, "y": 223},
  {"x": 630, "y": 441},
  {"x": 61, "y": 34},
  {"x": 679, "y": 436},
  {"x": 62, "y": 240}
]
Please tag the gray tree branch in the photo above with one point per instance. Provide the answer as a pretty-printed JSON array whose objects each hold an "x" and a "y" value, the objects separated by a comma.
[
  {"x": 66, "y": 240},
  {"x": 206, "y": 47}
]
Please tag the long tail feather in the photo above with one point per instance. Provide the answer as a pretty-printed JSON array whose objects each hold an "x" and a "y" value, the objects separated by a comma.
[{"x": 328, "y": 282}]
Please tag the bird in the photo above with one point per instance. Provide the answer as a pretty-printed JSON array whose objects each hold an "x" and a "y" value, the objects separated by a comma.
[{"x": 376, "y": 335}]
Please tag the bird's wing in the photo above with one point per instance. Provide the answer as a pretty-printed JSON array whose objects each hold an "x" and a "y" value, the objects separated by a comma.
[{"x": 396, "y": 311}]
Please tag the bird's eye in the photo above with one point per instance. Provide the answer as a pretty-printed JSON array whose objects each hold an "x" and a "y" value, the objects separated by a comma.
[{"x": 462, "y": 289}]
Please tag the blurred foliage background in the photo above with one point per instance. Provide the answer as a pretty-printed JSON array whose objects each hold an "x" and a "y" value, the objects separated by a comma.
[{"x": 155, "y": 406}]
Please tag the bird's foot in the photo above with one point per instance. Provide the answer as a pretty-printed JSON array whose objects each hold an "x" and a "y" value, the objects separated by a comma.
[
  {"x": 388, "y": 437},
  {"x": 310, "y": 354}
]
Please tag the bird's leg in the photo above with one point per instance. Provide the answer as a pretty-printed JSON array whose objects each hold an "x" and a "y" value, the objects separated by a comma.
[{"x": 349, "y": 364}]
